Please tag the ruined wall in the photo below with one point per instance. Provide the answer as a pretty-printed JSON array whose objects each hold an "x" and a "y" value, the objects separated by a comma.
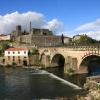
[
  {"x": 26, "y": 39},
  {"x": 36, "y": 31},
  {"x": 46, "y": 40},
  {"x": 39, "y": 40}
]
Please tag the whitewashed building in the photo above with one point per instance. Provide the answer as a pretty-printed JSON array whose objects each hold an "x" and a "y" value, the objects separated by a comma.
[{"x": 18, "y": 56}]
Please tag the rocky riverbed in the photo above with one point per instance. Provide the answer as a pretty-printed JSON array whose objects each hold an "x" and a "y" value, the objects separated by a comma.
[{"x": 93, "y": 91}]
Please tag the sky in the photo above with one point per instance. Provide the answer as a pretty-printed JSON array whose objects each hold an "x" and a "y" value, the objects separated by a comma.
[{"x": 70, "y": 17}]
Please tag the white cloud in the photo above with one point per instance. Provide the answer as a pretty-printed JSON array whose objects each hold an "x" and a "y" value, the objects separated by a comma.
[
  {"x": 8, "y": 22},
  {"x": 89, "y": 26},
  {"x": 92, "y": 29},
  {"x": 94, "y": 35},
  {"x": 55, "y": 25}
]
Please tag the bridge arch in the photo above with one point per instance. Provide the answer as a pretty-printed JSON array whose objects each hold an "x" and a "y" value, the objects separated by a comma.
[
  {"x": 58, "y": 60},
  {"x": 90, "y": 64}
]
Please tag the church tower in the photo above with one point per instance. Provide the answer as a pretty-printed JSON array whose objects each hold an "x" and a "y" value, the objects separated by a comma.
[
  {"x": 30, "y": 27},
  {"x": 18, "y": 30}
]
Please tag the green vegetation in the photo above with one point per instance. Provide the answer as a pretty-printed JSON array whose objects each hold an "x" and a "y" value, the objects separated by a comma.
[
  {"x": 98, "y": 85},
  {"x": 4, "y": 45},
  {"x": 70, "y": 70},
  {"x": 34, "y": 51},
  {"x": 84, "y": 40}
]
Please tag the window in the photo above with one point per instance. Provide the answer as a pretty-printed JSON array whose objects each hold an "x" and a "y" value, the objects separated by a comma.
[
  {"x": 18, "y": 52},
  {"x": 13, "y": 58},
  {"x": 24, "y": 52},
  {"x": 8, "y": 52},
  {"x": 19, "y": 61},
  {"x": 13, "y": 52},
  {"x": 8, "y": 57},
  {"x": 18, "y": 57},
  {"x": 44, "y": 33},
  {"x": 25, "y": 57}
]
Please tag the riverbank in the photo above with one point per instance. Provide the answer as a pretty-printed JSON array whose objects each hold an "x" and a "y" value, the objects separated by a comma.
[{"x": 93, "y": 91}]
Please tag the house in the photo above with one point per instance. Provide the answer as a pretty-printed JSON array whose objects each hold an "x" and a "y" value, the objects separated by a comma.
[
  {"x": 76, "y": 37},
  {"x": 5, "y": 37},
  {"x": 67, "y": 40},
  {"x": 17, "y": 56}
]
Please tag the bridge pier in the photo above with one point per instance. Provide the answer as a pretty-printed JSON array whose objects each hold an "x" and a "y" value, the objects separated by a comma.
[
  {"x": 45, "y": 61},
  {"x": 70, "y": 64}
]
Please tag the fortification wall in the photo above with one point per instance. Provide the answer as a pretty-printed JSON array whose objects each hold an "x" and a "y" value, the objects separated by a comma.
[{"x": 46, "y": 40}]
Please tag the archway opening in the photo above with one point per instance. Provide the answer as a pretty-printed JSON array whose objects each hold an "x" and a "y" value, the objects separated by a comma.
[
  {"x": 58, "y": 60},
  {"x": 91, "y": 64},
  {"x": 24, "y": 62}
]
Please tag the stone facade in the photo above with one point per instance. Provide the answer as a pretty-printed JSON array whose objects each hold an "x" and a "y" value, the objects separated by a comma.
[
  {"x": 38, "y": 37},
  {"x": 76, "y": 58}
]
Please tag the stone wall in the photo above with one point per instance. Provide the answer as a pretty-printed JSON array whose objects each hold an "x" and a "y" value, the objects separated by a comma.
[
  {"x": 34, "y": 59},
  {"x": 46, "y": 40},
  {"x": 18, "y": 60},
  {"x": 39, "y": 40}
]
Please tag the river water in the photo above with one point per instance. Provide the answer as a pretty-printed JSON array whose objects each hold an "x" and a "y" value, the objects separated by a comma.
[{"x": 27, "y": 84}]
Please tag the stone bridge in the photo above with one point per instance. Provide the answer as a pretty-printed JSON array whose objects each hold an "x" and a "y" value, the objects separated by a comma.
[{"x": 77, "y": 58}]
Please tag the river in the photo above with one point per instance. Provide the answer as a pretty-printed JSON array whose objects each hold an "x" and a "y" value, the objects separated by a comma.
[{"x": 27, "y": 84}]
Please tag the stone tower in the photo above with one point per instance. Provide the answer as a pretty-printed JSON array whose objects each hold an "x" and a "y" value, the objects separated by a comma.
[
  {"x": 30, "y": 27},
  {"x": 18, "y": 30}
]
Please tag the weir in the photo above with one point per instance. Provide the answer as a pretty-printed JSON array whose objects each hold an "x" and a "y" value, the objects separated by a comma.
[
  {"x": 65, "y": 82},
  {"x": 56, "y": 77}
]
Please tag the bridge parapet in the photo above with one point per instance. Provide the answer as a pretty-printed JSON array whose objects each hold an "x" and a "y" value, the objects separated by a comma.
[
  {"x": 76, "y": 48},
  {"x": 84, "y": 48}
]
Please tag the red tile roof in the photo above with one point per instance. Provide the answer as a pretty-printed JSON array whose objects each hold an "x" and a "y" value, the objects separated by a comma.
[{"x": 16, "y": 49}]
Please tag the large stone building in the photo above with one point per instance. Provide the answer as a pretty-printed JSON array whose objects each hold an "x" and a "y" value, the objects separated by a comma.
[{"x": 38, "y": 37}]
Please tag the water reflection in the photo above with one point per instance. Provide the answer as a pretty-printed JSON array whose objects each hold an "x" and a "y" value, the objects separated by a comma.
[
  {"x": 94, "y": 69},
  {"x": 2, "y": 84},
  {"x": 23, "y": 84}
]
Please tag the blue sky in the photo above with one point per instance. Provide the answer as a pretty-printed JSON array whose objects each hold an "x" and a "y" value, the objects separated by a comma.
[{"x": 77, "y": 16}]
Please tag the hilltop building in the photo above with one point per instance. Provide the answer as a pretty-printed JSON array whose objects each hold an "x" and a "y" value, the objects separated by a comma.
[
  {"x": 37, "y": 37},
  {"x": 4, "y": 37},
  {"x": 76, "y": 37}
]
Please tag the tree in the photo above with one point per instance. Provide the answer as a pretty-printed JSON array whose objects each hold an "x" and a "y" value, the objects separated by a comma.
[
  {"x": 85, "y": 40},
  {"x": 62, "y": 38},
  {"x": 35, "y": 51},
  {"x": 3, "y": 45}
]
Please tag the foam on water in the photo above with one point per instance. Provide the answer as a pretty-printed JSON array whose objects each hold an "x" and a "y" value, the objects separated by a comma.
[
  {"x": 39, "y": 72},
  {"x": 65, "y": 82},
  {"x": 58, "y": 78}
]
